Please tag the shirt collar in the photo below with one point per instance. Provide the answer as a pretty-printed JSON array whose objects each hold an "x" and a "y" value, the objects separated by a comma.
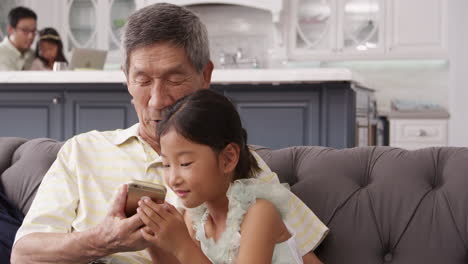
[
  {"x": 133, "y": 133},
  {"x": 126, "y": 134}
]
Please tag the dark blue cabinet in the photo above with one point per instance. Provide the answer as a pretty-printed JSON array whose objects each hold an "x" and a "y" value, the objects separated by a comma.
[
  {"x": 85, "y": 111},
  {"x": 276, "y": 119},
  {"x": 61, "y": 111},
  {"x": 30, "y": 114},
  {"x": 276, "y": 116}
]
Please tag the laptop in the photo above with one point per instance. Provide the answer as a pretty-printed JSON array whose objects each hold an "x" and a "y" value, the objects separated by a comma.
[{"x": 87, "y": 59}]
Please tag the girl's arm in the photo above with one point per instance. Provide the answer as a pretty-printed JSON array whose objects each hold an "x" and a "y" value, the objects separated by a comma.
[
  {"x": 158, "y": 256},
  {"x": 261, "y": 230},
  {"x": 167, "y": 231},
  {"x": 311, "y": 258}
]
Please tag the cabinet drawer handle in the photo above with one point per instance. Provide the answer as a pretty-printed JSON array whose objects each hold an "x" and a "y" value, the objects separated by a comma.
[
  {"x": 56, "y": 100},
  {"x": 421, "y": 133}
]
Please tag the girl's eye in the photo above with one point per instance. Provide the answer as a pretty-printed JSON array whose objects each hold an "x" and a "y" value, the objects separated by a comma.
[
  {"x": 166, "y": 165},
  {"x": 185, "y": 164}
]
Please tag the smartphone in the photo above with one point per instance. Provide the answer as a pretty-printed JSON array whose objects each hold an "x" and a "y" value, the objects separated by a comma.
[{"x": 141, "y": 189}]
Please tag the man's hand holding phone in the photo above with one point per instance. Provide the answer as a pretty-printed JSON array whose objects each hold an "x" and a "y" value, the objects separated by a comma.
[{"x": 117, "y": 232}]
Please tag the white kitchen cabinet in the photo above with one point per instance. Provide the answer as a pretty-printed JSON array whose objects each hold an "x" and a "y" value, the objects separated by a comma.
[
  {"x": 312, "y": 31},
  {"x": 86, "y": 23},
  {"x": 335, "y": 29},
  {"x": 360, "y": 27},
  {"x": 418, "y": 133},
  {"x": 367, "y": 29},
  {"x": 417, "y": 28},
  {"x": 97, "y": 24}
]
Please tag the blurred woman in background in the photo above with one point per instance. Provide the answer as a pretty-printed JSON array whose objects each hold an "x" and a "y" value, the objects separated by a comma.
[{"x": 49, "y": 49}]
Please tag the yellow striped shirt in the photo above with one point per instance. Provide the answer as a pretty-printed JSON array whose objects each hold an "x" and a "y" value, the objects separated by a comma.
[{"x": 79, "y": 188}]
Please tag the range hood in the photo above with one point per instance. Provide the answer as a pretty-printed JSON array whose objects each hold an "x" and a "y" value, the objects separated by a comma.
[{"x": 273, "y": 6}]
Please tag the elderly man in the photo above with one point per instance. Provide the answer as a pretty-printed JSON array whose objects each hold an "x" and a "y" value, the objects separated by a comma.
[
  {"x": 74, "y": 217},
  {"x": 15, "y": 52}
]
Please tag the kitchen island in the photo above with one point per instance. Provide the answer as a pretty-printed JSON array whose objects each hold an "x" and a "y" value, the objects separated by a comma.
[{"x": 278, "y": 107}]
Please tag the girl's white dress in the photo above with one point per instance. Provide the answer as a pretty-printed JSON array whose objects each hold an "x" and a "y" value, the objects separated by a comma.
[{"x": 241, "y": 195}]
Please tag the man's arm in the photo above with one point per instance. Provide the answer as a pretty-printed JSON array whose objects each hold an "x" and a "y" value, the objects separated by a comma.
[
  {"x": 115, "y": 234},
  {"x": 7, "y": 65},
  {"x": 56, "y": 248}
]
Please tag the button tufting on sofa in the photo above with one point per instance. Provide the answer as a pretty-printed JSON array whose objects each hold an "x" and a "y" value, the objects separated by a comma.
[{"x": 388, "y": 257}]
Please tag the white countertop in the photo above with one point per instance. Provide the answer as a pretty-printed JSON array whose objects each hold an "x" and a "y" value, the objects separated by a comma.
[{"x": 223, "y": 76}]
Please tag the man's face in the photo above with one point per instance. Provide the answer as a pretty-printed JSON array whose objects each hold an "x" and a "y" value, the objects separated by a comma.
[
  {"x": 22, "y": 36},
  {"x": 158, "y": 75}
]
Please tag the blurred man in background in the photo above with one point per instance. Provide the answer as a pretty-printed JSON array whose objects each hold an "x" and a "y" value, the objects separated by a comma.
[{"x": 15, "y": 49}]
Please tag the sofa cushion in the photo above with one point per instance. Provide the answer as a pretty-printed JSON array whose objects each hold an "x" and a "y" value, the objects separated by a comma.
[
  {"x": 382, "y": 204},
  {"x": 28, "y": 164}
]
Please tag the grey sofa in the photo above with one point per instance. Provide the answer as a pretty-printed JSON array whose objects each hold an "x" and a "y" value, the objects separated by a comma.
[{"x": 382, "y": 204}]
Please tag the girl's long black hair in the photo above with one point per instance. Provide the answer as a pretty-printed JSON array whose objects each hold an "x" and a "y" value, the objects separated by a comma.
[{"x": 209, "y": 118}]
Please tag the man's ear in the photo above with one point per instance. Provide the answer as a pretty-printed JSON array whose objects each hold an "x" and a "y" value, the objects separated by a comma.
[
  {"x": 127, "y": 80},
  {"x": 207, "y": 71},
  {"x": 230, "y": 157},
  {"x": 10, "y": 29}
]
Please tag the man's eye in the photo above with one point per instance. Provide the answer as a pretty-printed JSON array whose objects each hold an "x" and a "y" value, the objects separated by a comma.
[
  {"x": 142, "y": 81},
  {"x": 175, "y": 82},
  {"x": 186, "y": 164}
]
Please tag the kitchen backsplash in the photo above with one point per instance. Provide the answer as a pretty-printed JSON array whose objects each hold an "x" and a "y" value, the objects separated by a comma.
[{"x": 252, "y": 33}]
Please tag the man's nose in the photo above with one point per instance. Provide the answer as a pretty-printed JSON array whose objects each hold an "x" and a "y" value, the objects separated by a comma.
[{"x": 159, "y": 96}]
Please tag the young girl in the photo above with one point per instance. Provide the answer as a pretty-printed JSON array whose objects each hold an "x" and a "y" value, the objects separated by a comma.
[
  {"x": 230, "y": 217},
  {"x": 49, "y": 49}
]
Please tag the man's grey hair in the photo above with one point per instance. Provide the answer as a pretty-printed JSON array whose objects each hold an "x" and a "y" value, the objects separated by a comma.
[{"x": 167, "y": 23}]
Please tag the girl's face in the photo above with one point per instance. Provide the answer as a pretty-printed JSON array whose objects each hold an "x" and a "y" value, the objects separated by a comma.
[
  {"x": 193, "y": 171},
  {"x": 48, "y": 50}
]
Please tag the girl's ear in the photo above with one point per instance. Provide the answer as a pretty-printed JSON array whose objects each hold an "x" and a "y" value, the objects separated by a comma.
[{"x": 230, "y": 157}]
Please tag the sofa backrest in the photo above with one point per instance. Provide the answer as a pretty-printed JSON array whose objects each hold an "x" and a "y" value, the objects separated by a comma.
[{"x": 382, "y": 204}]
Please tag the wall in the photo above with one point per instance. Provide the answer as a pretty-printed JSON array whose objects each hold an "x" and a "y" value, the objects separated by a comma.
[
  {"x": 458, "y": 77},
  {"x": 49, "y": 13}
]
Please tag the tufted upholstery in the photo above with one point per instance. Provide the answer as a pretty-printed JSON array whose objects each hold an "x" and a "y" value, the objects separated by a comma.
[{"x": 381, "y": 204}]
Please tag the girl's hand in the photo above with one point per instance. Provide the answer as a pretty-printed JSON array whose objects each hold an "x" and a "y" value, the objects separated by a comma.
[{"x": 165, "y": 226}]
